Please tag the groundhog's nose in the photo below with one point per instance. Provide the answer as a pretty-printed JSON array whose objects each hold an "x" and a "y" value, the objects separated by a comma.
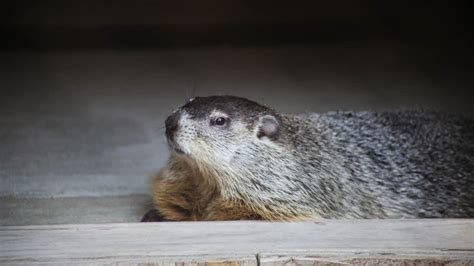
[{"x": 171, "y": 124}]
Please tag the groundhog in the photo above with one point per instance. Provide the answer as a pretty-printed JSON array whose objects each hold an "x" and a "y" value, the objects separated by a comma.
[{"x": 232, "y": 158}]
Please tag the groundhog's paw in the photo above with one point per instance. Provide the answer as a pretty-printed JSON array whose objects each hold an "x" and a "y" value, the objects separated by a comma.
[{"x": 153, "y": 216}]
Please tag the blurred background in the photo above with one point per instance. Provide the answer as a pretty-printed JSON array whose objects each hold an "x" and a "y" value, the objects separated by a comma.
[{"x": 85, "y": 85}]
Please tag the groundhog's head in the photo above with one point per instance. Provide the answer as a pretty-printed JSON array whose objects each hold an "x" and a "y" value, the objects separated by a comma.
[{"x": 218, "y": 128}]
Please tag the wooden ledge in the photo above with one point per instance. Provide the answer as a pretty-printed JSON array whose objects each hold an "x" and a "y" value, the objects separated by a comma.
[{"x": 409, "y": 242}]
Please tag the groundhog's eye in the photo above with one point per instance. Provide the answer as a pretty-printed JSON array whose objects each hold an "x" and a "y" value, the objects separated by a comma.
[{"x": 220, "y": 121}]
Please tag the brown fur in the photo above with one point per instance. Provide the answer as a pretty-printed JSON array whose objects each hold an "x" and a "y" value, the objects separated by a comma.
[{"x": 181, "y": 192}]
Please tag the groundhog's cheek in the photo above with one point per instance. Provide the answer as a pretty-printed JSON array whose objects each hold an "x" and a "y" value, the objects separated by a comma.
[
  {"x": 184, "y": 141},
  {"x": 200, "y": 151}
]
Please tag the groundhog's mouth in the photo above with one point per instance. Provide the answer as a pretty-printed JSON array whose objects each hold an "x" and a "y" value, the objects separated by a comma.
[
  {"x": 178, "y": 150},
  {"x": 174, "y": 147}
]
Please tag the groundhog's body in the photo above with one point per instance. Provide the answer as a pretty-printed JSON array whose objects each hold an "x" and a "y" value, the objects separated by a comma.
[
  {"x": 338, "y": 165},
  {"x": 397, "y": 164}
]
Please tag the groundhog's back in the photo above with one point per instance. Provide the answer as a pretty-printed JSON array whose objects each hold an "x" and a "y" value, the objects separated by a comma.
[{"x": 426, "y": 157}]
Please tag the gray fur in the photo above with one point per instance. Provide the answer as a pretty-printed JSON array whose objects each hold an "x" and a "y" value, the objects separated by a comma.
[
  {"x": 395, "y": 164},
  {"x": 414, "y": 163}
]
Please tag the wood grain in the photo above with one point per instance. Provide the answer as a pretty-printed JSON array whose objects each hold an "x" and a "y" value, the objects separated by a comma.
[{"x": 408, "y": 242}]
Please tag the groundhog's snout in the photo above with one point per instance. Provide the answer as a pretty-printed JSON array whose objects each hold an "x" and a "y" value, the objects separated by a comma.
[{"x": 171, "y": 124}]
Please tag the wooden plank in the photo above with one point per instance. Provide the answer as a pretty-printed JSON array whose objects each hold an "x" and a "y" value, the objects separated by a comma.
[
  {"x": 374, "y": 260},
  {"x": 242, "y": 243}
]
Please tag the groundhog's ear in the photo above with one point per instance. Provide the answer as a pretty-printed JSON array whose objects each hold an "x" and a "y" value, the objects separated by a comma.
[{"x": 269, "y": 127}]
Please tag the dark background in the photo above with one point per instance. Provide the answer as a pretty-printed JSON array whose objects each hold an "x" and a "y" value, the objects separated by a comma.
[
  {"x": 86, "y": 85},
  {"x": 87, "y": 24}
]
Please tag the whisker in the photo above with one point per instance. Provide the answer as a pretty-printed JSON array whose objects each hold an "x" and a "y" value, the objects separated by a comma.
[{"x": 193, "y": 92}]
